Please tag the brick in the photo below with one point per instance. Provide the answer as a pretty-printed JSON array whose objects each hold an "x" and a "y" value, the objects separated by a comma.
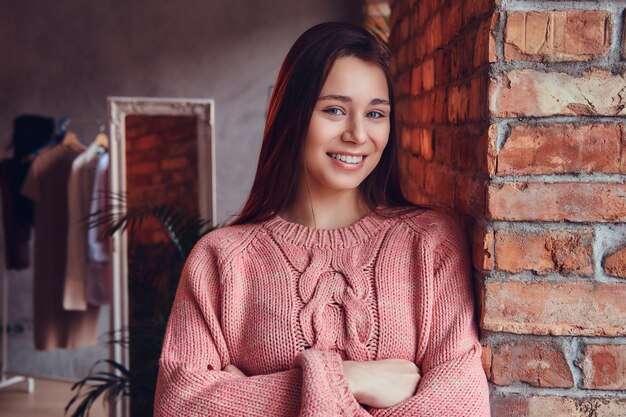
[
  {"x": 426, "y": 144},
  {"x": 465, "y": 154},
  {"x": 603, "y": 367},
  {"x": 428, "y": 74},
  {"x": 545, "y": 251},
  {"x": 402, "y": 56},
  {"x": 475, "y": 8},
  {"x": 414, "y": 193},
  {"x": 188, "y": 148},
  {"x": 403, "y": 105},
  {"x": 470, "y": 195},
  {"x": 174, "y": 163},
  {"x": 146, "y": 142},
  {"x": 461, "y": 58},
  {"x": 135, "y": 158},
  {"x": 482, "y": 156},
  {"x": 493, "y": 24},
  {"x": 442, "y": 59},
  {"x": 444, "y": 147},
  {"x": 393, "y": 63},
  {"x": 404, "y": 29},
  {"x": 403, "y": 84},
  {"x": 529, "y": 92},
  {"x": 487, "y": 155},
  {"x": 515, "y": 405},
  {"x": 540, "y": 364},
  {"x": 434, "y": 33},
  {"x": 563, "y": 148},
  {"x": 482, "y": 44},
  {"x": 405, "y": 137},
  {"x": 403, "y": 165},
  {"x": 422, "y": 108},
  {"x": 440, "y": 112},
  {"x": 166, "y": 123},
  {"x": 453, "y": 21},
  {"x": 482, "y": 248},
  {"x": 550, "y": 36},
  {"x": 416, "y": 141},
  {"x": 416, "y": 80},
  {"x": 417, "y": 169},
  {"x": 615, "y": 263},
  {"x": 145, "y": 168},
  {"x": 439, "y": 185},
  {"x": 478, "y": 98},
  {"x": 576, "y": 202},
  {"x": 485, "y": 358},
  {"x": 559, "y": 308},
  {"x": 458, "y": 100}
]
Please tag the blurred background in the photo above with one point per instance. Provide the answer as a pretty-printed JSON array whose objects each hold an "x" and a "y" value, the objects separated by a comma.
[
  {"x": 63, "y": 59},
  {"x": 509, "y": 112}
]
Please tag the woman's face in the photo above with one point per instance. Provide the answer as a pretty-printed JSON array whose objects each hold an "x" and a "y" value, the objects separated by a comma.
[{"x": 349, "y": 127}]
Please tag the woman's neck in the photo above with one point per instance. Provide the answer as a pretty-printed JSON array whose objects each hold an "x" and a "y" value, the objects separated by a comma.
[{"x": 326, "y": 212}]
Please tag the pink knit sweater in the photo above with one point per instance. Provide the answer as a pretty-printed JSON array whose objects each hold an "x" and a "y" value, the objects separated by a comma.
[{"x": 285, "y": 303}]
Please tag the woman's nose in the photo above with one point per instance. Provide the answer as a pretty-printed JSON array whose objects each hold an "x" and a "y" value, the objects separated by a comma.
[{"x": 355, "y": 131}]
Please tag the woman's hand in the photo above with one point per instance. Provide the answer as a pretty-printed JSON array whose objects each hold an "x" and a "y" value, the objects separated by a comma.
[
  {"x": 383, "y": 383},
  {"x": 379, "y": 384}
]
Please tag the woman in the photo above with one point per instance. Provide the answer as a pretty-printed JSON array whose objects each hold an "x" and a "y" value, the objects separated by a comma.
[{"x": 330, "y": 294}]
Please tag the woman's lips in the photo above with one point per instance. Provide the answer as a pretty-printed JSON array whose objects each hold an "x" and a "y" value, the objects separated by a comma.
[{"x": 350, "y": 166}]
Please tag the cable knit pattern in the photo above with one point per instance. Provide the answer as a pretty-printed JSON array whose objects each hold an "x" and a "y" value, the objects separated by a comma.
[{"x": 286, "y": 303}]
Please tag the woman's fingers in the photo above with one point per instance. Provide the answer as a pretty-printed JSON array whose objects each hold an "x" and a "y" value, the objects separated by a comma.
[{"x": 234, "y": 370}]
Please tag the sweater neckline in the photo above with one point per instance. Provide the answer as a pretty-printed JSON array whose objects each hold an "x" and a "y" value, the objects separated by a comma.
[{"x": 354, "y": 234}]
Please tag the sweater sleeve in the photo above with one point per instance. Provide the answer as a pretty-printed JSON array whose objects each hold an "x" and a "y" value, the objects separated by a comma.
[
  {"x": 191, "y": 380},
  {"x": 453, "y": 382}
]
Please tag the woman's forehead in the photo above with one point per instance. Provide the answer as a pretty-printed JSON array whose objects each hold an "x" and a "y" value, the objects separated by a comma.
[{"x": 353, "y": 78}]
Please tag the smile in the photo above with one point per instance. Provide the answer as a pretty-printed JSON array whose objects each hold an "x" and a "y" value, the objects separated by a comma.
[{"x": 348, "y": 159}]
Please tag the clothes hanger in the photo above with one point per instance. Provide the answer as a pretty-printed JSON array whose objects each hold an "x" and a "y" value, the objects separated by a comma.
[
  {"x": 102, "y": 141},
  {"x": 70, "y": 139}
]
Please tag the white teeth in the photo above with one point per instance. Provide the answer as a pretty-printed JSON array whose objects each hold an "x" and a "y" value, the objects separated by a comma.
[{"x": 347, "y": 158}]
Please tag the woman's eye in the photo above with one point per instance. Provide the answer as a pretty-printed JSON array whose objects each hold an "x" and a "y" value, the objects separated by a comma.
[
  {"x": 334, "y": 111},
  {"x": 375, "y": 114}
]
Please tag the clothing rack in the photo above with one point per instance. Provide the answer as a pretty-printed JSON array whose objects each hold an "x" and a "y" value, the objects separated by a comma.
[{"x": 6, "y": 381}]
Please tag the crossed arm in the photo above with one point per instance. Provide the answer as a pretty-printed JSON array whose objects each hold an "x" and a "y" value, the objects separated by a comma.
[{"x": 195, "y": 379}]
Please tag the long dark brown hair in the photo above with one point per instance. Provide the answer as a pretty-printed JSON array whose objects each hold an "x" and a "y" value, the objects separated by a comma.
[{"x": 297, "y": 88}]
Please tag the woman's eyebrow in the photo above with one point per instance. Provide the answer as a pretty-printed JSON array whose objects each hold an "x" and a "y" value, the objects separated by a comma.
[{"x": 346, "y": 99}]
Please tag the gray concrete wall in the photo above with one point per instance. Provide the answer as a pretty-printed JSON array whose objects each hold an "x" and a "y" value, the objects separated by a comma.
[{"x": 66, "y": 57}]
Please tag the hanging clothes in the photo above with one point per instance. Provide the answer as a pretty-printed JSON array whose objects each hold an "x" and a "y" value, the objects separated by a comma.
[
  {"x": 99, "y": 273},
  {"x": 30, "y": 133},
  {"x": 46, "y": 185},
  {"x": 79, "y": 281},
  {"x": 16, "y": 214}
]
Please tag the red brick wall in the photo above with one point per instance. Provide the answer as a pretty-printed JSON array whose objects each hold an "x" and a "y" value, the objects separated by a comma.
[
  {"x": 513, "y": 114},
  {"x": 162, "y": 164},
  {"x": 161, "y": 168}
]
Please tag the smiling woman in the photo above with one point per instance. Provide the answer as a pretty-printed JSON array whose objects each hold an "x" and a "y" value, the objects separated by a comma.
[
  {"x": 348, "y": 129},
  {"x": 330, "y": 294}
]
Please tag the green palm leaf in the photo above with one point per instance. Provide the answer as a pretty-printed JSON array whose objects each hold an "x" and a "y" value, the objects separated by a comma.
[
  {"x": 110, "y": 385},
  {"x": 147, "y": 263},
  {"x": 122, "y": 214}
]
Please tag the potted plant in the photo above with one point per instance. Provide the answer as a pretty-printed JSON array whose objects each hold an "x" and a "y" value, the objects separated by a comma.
[{"x": 154, "y": 271}]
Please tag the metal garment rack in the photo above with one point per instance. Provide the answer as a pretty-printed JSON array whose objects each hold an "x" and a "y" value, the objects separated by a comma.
[{"x": 6, "y": 381}]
